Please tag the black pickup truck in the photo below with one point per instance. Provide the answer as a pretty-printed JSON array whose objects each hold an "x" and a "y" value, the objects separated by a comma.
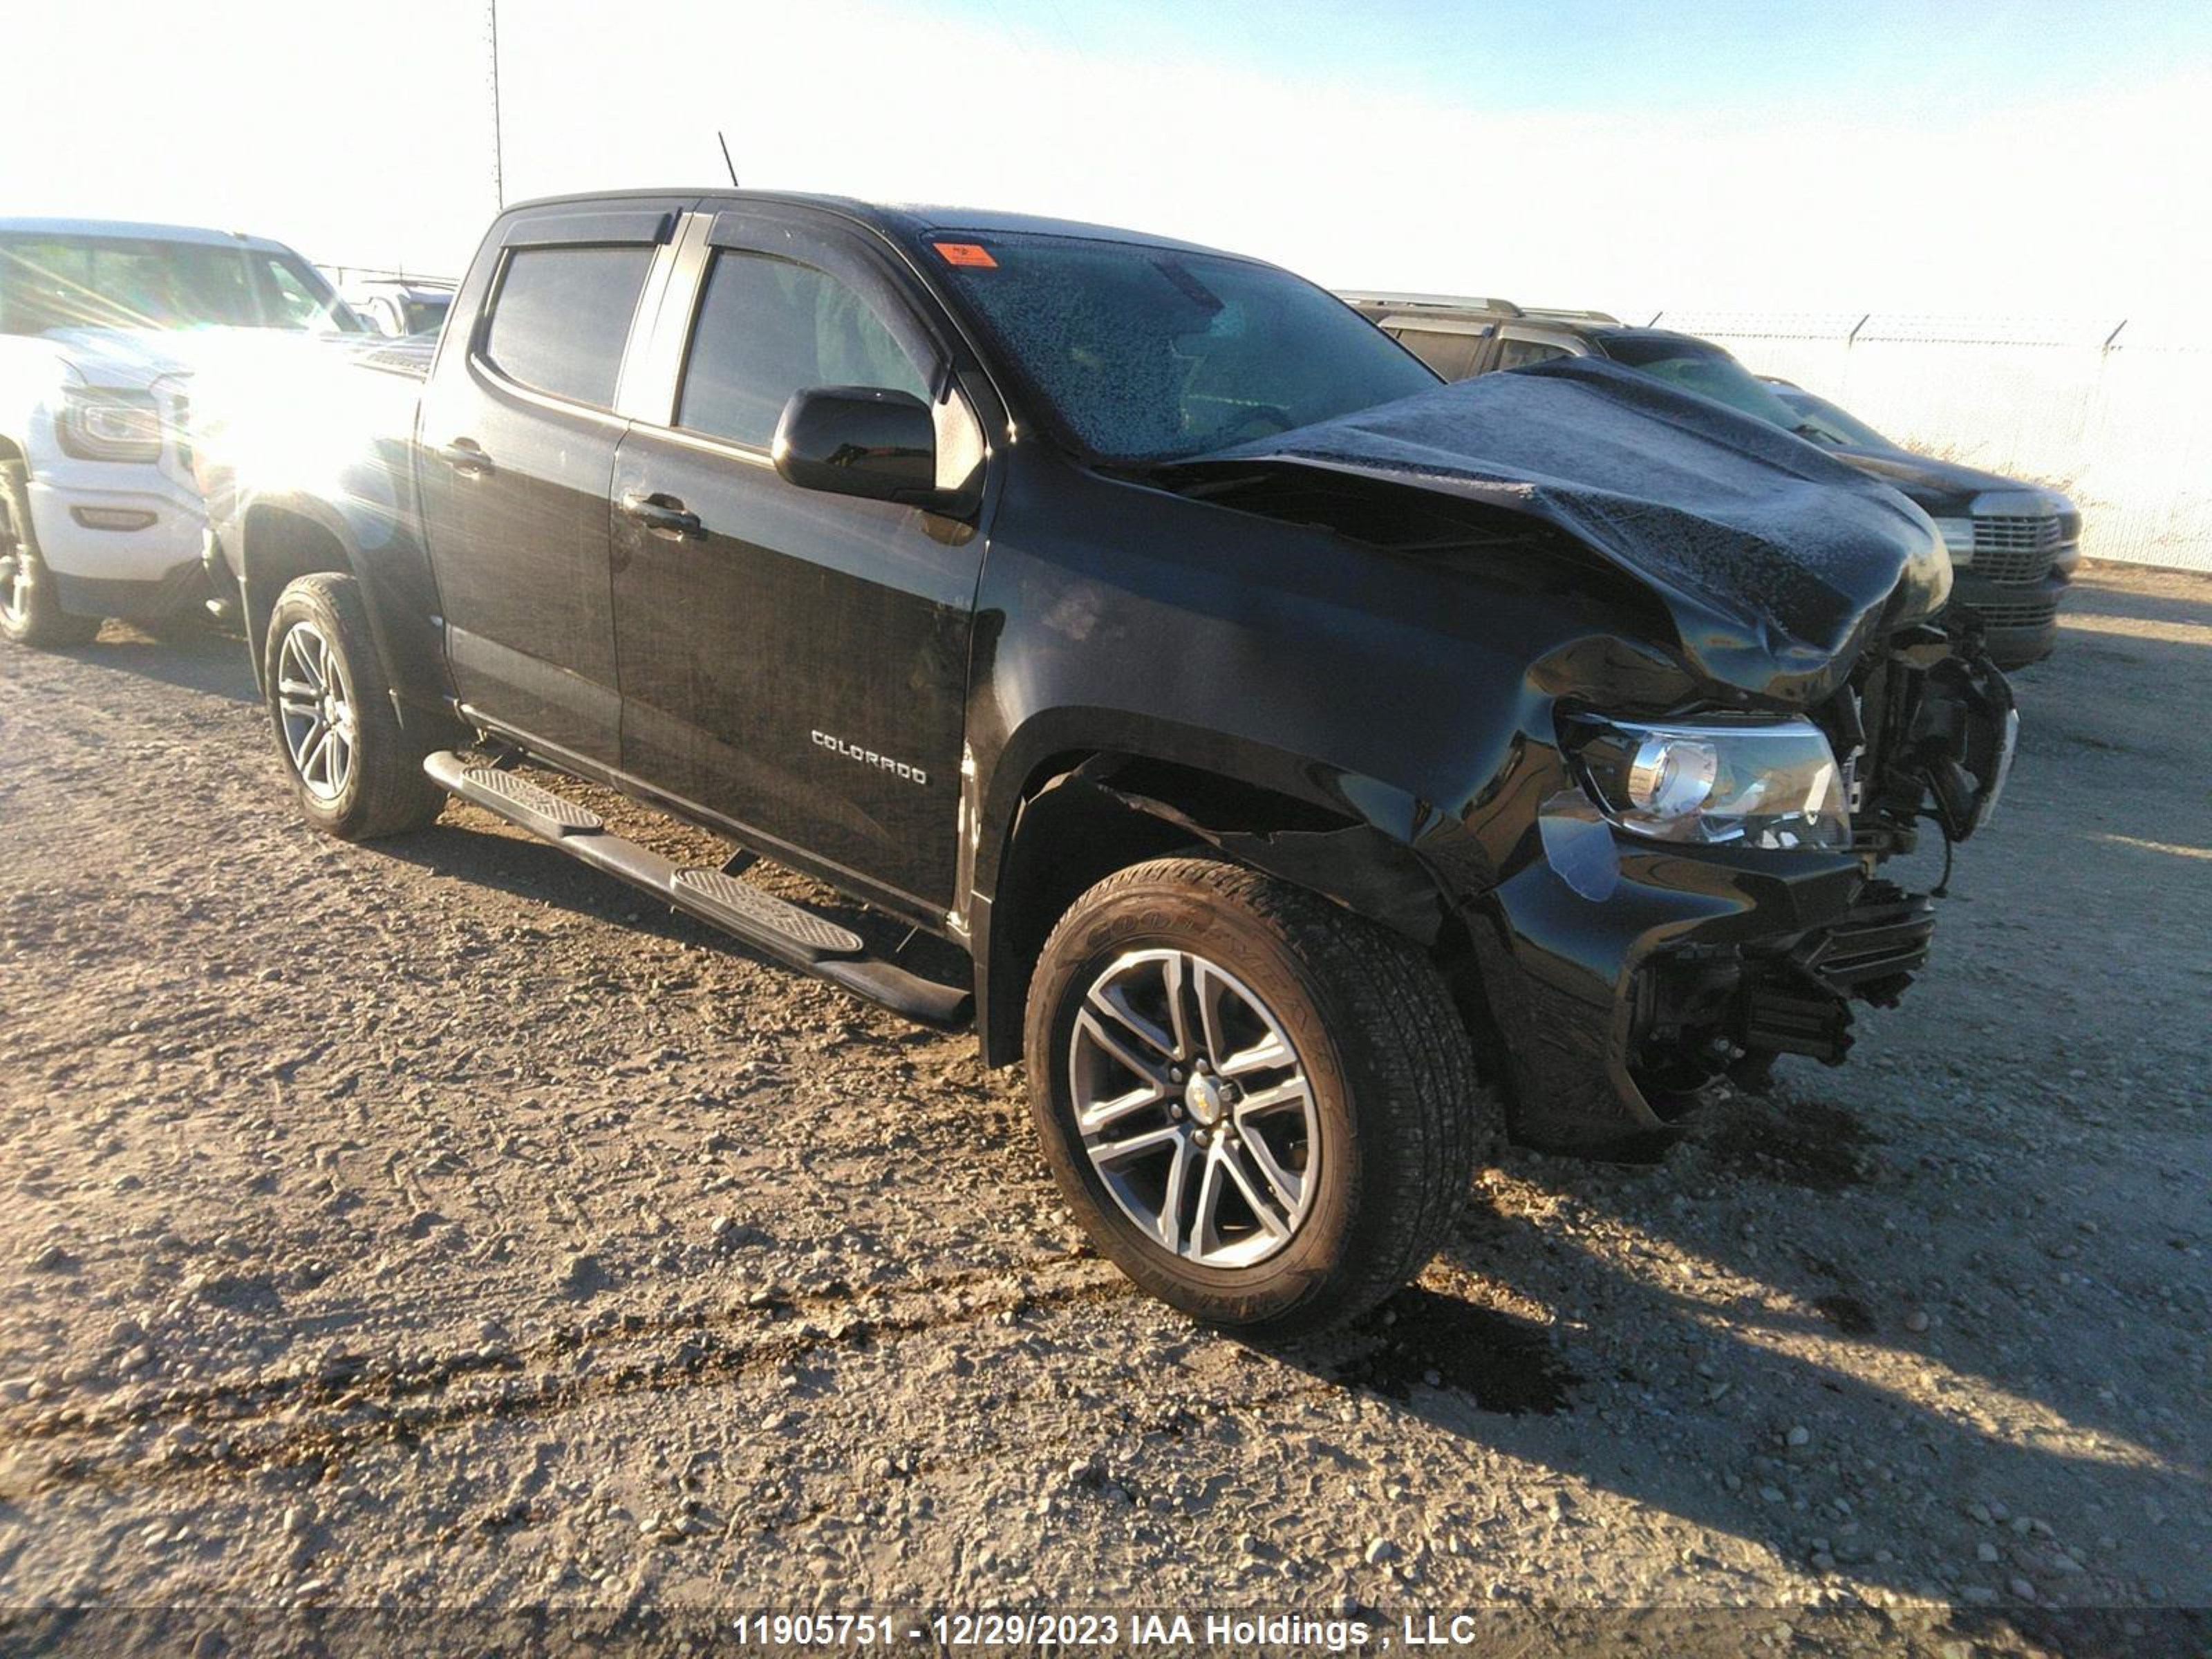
[{"x": 1308, "y": 756}]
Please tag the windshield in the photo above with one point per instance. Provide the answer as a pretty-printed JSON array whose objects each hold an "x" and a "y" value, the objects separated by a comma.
[
  {"x": 102, "y": 281},
  {"x": 1149, "y": 354},
  {"x": 1694, "y": 365},
  {"x": 1823, "y": 420}
]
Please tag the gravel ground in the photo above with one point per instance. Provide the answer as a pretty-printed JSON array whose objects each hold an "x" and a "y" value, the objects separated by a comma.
[{"x": 438, "y": 1223}]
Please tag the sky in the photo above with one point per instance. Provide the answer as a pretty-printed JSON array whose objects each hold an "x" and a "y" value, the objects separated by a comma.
[{"x": 1951, "y": 157}]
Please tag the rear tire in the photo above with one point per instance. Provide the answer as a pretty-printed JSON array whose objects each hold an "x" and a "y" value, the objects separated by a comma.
[
  {"x": 1332, "y": 1083},
  {"x": 30, "y": 614},
  {"x": 358, "y": 774}
]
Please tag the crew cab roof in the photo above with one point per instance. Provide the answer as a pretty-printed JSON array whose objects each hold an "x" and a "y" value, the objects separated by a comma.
[
  {"x": 903, "y": 222},
  {"x": 131, "y": 230}
]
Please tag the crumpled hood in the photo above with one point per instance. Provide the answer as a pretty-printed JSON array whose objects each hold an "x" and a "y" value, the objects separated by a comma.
[{"x": 1776, "y": 560}]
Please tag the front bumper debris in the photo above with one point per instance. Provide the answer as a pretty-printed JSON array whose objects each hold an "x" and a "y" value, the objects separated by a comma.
[
  {"x": 1609, "y": 1013},
  {"x": 1623, "y": 976}
]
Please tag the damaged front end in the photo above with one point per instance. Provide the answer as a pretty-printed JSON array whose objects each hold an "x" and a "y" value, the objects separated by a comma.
[
  {"x": 1625, "y": 975},
  {"x": 1925, "y": 732},
  {"x": 1674, "y": 874}
]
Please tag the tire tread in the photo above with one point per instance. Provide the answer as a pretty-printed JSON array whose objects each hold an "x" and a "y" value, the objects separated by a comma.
[
  {"x": 394, "y": 795},
  {"x": 1407, "y": 1056}
]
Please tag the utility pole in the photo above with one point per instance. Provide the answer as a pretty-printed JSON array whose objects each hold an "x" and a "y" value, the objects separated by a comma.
[{"x": 498, "y": 156}]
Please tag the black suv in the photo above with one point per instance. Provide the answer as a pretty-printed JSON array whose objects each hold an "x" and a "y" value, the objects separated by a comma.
[
  {"x": 2015, "y": 545},
  {"x": 1296, "y": 780}
]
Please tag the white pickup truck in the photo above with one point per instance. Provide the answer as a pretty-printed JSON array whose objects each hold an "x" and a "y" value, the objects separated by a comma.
[{"x": 102, "y": 326}]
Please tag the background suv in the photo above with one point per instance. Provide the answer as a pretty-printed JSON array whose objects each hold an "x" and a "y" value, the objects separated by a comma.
[{"x": 396, "y": 306}]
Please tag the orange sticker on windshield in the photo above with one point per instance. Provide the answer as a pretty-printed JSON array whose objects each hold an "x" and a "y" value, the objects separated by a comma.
[{"x": 965, "y": 254}]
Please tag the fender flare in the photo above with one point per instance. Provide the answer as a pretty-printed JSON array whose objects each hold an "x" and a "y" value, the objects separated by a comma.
[
  {"x": 1334, "y": 833},
  {"x": 1357, "y": 864},
  {"x": 412, "y": 691}
]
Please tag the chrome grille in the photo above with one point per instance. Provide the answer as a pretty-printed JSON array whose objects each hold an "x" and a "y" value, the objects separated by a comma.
[
  {"x": 175, "y": 407},
  {"x": 180, "y": 419},
  {"x": 2031, "y": 614},
  {"x": 2015, "y": 548}
]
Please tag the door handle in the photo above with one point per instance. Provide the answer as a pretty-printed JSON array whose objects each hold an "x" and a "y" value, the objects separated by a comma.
[
  {"x": 467, "y": 457},
  {"x": 661, "y": 515}
]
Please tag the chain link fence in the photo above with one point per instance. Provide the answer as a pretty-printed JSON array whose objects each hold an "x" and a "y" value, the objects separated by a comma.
[{"x": 2110, "y": 411}]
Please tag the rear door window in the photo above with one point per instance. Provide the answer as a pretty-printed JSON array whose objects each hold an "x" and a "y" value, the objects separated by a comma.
[
  {"x": 1519, "y": 354},
  {"x": 562, "y": 317},
  {"x": 1451, "y": 355},
  {"x": 768, "y": 327}
]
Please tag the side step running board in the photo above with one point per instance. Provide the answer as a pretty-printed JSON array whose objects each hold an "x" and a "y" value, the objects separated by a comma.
[{"x": 790, "y": 934}]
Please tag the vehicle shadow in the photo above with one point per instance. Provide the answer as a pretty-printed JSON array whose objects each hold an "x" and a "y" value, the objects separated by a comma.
[
  {"x": 1578, "y": 1332},
  {"x": 2182, "y": 596},
  {"x": 502, "y": 861},
  {"x": 480, "y": 852},
  {"x": 203, "y": 660}
]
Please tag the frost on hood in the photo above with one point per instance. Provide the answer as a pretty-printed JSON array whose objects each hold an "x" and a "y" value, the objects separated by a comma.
[{"x": 1774, "y": 558}]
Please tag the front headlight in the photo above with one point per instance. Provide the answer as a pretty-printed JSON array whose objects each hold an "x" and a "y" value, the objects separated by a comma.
[
  {"x": 1958, "y": 539},
  {"x": 1757, "y": 783},
  {"x": 100, "y": 423}
]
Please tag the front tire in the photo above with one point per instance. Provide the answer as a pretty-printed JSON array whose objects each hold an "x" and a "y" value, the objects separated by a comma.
[
  {"x": 357, "y": 774},
  {"x": 1260, "y": 1107},
  {"x": 30, "y": 614}
]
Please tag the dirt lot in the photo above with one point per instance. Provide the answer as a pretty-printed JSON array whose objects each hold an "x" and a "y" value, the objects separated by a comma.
[{"x": 437, "y": 1223}]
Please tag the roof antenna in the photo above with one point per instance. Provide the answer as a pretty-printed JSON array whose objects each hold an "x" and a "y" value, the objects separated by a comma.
[{"x": 727, "y": 161}]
